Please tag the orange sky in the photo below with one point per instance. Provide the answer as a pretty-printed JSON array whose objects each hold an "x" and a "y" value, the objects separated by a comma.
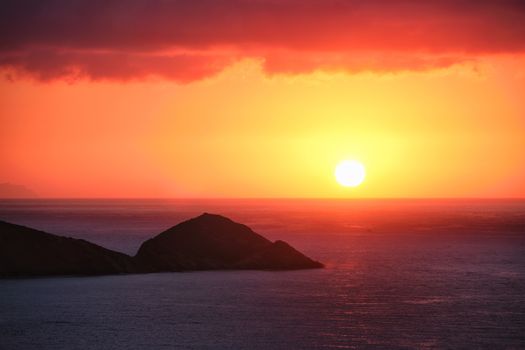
[{"x": 269, "y": 117}]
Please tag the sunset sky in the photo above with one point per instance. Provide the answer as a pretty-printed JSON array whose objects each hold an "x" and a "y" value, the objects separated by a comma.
[{"x": 262, "y": 98}]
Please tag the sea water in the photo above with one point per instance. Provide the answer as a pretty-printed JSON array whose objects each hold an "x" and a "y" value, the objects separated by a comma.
[{"x": 400, "y": 274}]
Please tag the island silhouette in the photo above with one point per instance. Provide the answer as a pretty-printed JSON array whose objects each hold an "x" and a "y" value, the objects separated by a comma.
[{"x": 206, "y": 242}]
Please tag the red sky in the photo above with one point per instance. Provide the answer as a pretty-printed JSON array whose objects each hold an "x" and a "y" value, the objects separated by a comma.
[{"x": 261, "y": 98}]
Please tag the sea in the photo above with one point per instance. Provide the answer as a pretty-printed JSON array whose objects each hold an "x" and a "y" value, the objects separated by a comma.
[{"x": 400, "y": 274}]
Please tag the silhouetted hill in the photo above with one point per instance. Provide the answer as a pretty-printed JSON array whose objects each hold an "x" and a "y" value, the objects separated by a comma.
[
  {"x": 211, "y": 242},
  {"x": 25, "y": 251},
  {"x": 278, "y": 256},
  {"x": 207, "y": 242}
]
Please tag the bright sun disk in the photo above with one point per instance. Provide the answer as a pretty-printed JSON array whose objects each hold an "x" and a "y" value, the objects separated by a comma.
[{"x": 350, "y": 173}]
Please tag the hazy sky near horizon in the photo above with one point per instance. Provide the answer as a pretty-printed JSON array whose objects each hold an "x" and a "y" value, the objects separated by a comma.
[{"x": 262, "y": 98}]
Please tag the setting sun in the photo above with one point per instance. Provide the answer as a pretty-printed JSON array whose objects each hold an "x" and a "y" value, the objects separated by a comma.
[{"x": 350, "y": 173}]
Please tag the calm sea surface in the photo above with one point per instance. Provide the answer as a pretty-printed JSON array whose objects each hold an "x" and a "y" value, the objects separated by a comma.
[{"x": 401, "y": 274}]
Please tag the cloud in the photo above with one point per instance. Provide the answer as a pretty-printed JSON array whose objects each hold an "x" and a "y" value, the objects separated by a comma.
[
  {"x": 189, "y": 40},
  {"x": 46, "y": 65},
  {"x": 353, "y": 63}
]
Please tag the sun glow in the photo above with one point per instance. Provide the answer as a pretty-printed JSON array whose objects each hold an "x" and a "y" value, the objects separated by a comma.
[{"x": 350, "y": 173}]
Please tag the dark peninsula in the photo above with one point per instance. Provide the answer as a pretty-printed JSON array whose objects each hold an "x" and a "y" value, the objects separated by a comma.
[
  {"x": 28, "y": 252},
  {"x": 207, "y": 242}
]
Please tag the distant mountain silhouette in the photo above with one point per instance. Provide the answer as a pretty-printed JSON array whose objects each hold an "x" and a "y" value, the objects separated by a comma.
[
  {"x": 9, "y": 190},
  {"x": 207, "y": 242},
  {"x": 211, "y": 242}
]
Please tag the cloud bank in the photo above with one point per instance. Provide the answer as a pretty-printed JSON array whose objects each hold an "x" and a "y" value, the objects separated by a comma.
[{"x": 191, "y": 40}]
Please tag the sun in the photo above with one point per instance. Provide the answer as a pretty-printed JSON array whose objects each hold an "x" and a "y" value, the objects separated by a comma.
[{"x": 350, "y": 173}]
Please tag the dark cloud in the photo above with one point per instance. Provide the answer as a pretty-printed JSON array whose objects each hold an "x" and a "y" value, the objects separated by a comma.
[
  {"x": 376, "y": 62},
  {"x": 57, "y": 38},
  {"x": 49, "y": 65}
]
